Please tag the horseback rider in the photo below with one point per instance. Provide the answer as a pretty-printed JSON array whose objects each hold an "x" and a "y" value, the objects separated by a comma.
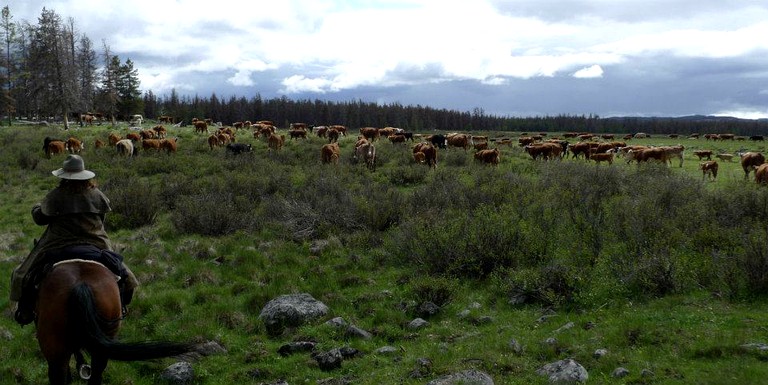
[{"x": 74, "y": 214}]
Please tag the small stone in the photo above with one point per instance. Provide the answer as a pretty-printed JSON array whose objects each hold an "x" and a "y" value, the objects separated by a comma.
[
  {"x": 620, "y": 372},
  {"x": 600, "y": 353}
]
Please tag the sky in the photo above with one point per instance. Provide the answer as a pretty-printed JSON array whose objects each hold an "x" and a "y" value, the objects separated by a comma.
[{"x": 516, "y": 58}]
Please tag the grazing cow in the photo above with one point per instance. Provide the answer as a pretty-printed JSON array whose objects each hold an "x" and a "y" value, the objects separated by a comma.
[
  {"x": 147, "y": 134},
  {"x": 708, "y": 168},
  {"x": 608, "y": 136},
  {"x": 114, "y": 138},
  {"x": 602, "y": 157},
  {"x": 481, "y": 146},
  {"x": 150, "y": 144},
  {"x": 757, "y": 138},
  {"x": 73, "y": 145},
  {"x": 341, "y": 129},
  {"x": 370, "y": 133},
  {"x": 321, "y": 131},
  {"x": 200, "y": 126},
  {"x": 333, "y": 135},
  {"x": 160, "y": 131},
  {"x": 98, "y": 143},
  {"x": 134, "y": 136},
  {"x": 165, "y": 119},
  {"x": 367, "y": 152},
  {"x": 425, "y": 152},
  {"x": 703, "y": 154},
  {"x": 525, "y": 140},
  {"x": 53, "y": 147},
  {"x": 547, "y": 151},
  {"x": 675, "y": 152},
  {"x": 460, "y": 140},
  {"x": 275, "y": 142},
  {"x": 125, "y": 147},
  {"x": 648, "y": 154},
  {"x": 580, "y": 148},
  {"x": 693, "y": 136},
  {"x": 330, "y": 153},
  {"x": 761, "y": 174},
  {"x": 727, "y": 137},
  {"x": 86, "y": 119},
  {"x": 397, "y": 138},
  {"x": 725, "y": 157},
  {"x": 298, "y": 126},
  {"x": 297, "y": 133},
  {"x": 169, "y": 145},
  {"x": 750, "y": 161},
  {"x": 239, "y": 148},
  {"x": 213, "y": 141},
  {"x": 387, "y": 131},
  {"x": 488, "y": 156},
  {"x": 640, "y": 135}
]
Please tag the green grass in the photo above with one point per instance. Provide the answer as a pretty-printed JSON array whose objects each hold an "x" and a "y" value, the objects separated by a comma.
[{"x": 669, "y": 270}]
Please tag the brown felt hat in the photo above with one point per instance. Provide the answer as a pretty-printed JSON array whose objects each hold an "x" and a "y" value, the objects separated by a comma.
[{"x": 74, "y": 168}]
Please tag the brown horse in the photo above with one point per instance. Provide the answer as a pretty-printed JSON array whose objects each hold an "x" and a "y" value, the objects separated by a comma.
[{"x": 78, "y": 309}]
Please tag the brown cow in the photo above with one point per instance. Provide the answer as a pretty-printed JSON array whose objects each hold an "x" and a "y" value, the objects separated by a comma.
[
  {"x": 459, "y": 140},
  {"x": 165, "y": 119},
  {"x": 113, "y": 139},
  {"x": 708, "y": 168},
  {"x": 134, "y": 136},
  {"x": 150, "y": 144},
  {"x": 213, "y": 141},
  {"x": 275, "y": 142},
  {"x": 397, "y": 138},
  {"x": 200, "y": 126},
  {"x": 488, "y": 156},
  {"x": 703, "y": 154},
  {"x": 73, "y": 145},
  {"x": 547, "y": 151},
  {"x": 580, "y": 148},
  {"x": 341, "y": 129},
  {"x": 675, "y": 152},
  {"x": 297, "y": 133},
  {"x": 147, "y": 134},
  {"x": 370, "y": 133},
  {"x": 333, "y": 135},
  {"x": 169, "y": 145},
  {"x": 428, "y": 153},
  {"x": 481, "y": 146},
  {"x": 761, "y": 174},
  {"x": 53, "y": 147},
  {"x": 330, "y": 153},
  {"x": 98, "y": 143},
  {"x": 602, "y": 157},
  {"x": 654, "y": 153},
  {"x": 160, "y": 131},
  {"x": 750, "y": 161}
]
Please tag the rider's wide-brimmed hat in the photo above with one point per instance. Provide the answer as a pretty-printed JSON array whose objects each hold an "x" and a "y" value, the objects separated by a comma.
[{"x": 74, "y": 168}]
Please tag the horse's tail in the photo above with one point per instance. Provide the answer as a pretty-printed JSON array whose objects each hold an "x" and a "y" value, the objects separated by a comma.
[{"x": 83, "y": 312}]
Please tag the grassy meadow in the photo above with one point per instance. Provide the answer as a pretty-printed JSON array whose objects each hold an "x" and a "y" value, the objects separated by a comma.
[{"x": 666, "y": 271}]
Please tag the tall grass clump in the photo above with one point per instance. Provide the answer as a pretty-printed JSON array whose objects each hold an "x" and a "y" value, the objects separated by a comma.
[{"x": 133, "y": 199}]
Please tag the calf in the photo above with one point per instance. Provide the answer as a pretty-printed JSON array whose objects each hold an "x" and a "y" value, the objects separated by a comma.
[
  {"x": 53, "y": 147},
  {"x": 703, "y": 154},
  {"x": 602, "y": 157},
  {"x": 708, "y": 168},
  {"x": 488, "y": 156}
]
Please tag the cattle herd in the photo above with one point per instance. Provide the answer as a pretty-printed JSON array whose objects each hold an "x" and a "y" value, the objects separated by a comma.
[{"x": 590, "y": 147}]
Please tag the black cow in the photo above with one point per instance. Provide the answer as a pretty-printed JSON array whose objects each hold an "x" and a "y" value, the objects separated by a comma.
[
  {"x": 239, "y": 148},
  {"x": 439, "y": 140},
  {"x": 756, "y": 138}
]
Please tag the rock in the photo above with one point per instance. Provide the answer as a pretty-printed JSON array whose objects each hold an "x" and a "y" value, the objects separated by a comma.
[
  {"x": 759, "y": 346},
  {"x": 423, "y": 368},
  {"x": 428, "y": 309},
  {"x": 294, "y": 347},
  {"x": 484, "y": 320},
  {"x": 336, "y": 322},
  {"x": 464, "y": 313},
  {"x": 180, "y": 373},
  {"x": 567, "y": 326},
  {"x": 211, "y": 348},
  {"x": 354, "y": 331},
  {"x": 291, "y": 311},
  {"x": 471, "y": 376},
  {"x": 620, "y": 372},
  {"x": 599, "y": 353},
  {"x": 386, "y": 350},
  {"x": 329, "y": 360},
  {"x": 417, "y": 323},
  {"x": 564, "y": 372},
  {"x": 318, "y": 246},
  {"x": 515, "y": 346},
  {"x": 647, "y": 373}
]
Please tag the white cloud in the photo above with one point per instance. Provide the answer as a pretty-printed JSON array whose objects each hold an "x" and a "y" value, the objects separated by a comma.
[
  {"x": 594, "y": 71},
  {"x": 242, "y": 78}
]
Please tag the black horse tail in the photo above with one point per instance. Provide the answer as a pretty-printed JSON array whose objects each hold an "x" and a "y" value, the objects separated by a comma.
[{"x": 83, "y": 312}]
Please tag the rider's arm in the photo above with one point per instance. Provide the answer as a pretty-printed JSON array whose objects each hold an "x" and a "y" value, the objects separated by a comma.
[{"x": 38, "y": 216}]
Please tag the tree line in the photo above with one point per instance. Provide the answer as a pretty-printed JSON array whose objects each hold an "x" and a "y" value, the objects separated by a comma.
[{"x": 50, "y": 71}]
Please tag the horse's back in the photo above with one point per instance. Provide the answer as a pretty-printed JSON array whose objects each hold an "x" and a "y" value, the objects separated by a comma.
[{"x": 53, "y": 306}]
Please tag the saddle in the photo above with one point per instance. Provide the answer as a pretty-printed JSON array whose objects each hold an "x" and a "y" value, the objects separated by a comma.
[{"x": 111, "y": 260}]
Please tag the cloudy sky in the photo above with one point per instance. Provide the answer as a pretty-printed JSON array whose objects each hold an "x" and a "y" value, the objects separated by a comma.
[{"x": 508, "y": 57}]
